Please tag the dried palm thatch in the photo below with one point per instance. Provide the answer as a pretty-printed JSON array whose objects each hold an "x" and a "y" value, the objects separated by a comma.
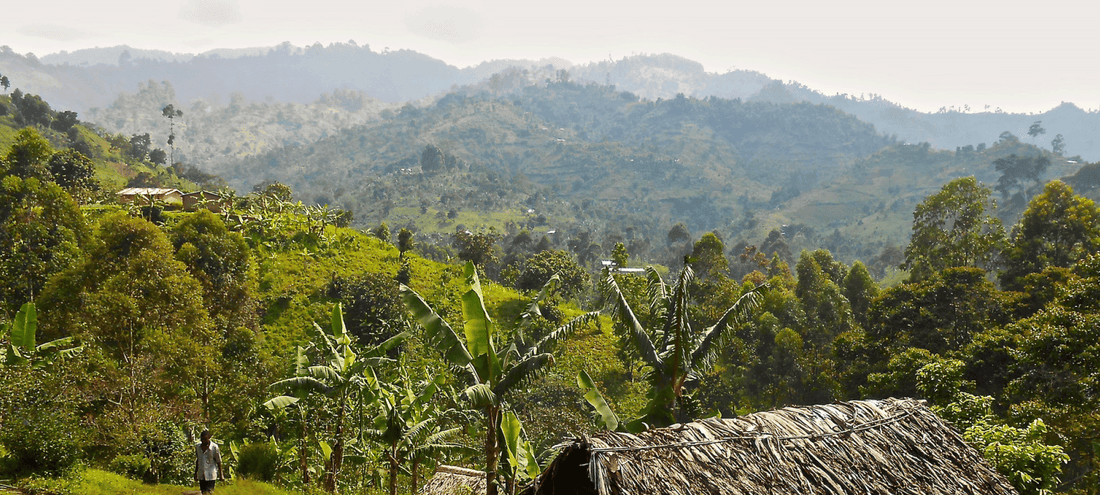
[
  {"x": 889, "y": 446},
  {"x": 452, "y": 480}
]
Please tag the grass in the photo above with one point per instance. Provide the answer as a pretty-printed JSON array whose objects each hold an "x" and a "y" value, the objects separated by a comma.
[{"x": 96, "y": 482}]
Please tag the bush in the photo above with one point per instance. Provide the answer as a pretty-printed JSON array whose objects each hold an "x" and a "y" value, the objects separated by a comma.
[
  {"x": 258, "y": 461},
  {"x": 44, "y": 441},
  {"x": 132, "y": 466}
]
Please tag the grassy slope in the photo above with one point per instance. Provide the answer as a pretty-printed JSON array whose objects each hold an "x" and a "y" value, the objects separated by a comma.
[{"x": 96, "y": 482}]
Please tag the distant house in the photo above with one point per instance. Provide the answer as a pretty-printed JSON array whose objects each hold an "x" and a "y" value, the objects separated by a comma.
[
  {"x": 452, "y": 480},
  {"x": 210, "y": 200},
  {"x": 891, "y": 446},
  {"x": 148, "y": 194}
]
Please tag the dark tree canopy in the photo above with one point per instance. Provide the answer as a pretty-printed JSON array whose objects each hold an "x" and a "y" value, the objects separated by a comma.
[
  {"x": 1058, "y": 228},
  {"x": 539, "y": 268},
  {"x": 951, "y": 229}
]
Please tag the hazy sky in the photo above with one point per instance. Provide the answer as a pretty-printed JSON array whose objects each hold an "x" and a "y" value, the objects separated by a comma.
[{"x": 1019, "y": 56}]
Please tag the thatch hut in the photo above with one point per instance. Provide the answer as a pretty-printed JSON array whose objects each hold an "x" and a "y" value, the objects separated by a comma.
[
  {"x": 861, "y": 447},
  {"x": 453, "y": 480}
]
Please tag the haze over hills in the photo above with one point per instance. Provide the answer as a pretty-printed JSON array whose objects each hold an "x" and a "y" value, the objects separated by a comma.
[{"x": 86, "y": 79}]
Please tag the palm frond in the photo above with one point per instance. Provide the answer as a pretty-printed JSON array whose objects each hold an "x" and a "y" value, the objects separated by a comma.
[
  {"x": 624, "y": 316},
  {"x": 301, "y": 383},
  {"x": 565, "y": 331},
  {"x": 523, "y": 372},
  {"x": 704, "y": 354}
]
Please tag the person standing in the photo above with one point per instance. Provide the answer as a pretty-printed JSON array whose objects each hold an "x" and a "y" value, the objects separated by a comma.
[{"x": 208, "y": 463}]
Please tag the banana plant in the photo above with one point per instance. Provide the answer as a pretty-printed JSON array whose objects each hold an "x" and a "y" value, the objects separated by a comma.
[
  {"x": 343, "y": 377},
  {"x": 489, "y": 373},
  {"x": 22, "y": 346},
  {"x": 408, "y": 426},
  {"x": 674, "y": 354},
  {"x": 523, "y": 464}
]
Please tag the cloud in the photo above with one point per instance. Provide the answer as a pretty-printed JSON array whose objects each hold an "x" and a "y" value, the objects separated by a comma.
[
  {"x": 53, "y": 32},
  {"x": 445, "y": 23},
  {"x": 214, "y": 13}
]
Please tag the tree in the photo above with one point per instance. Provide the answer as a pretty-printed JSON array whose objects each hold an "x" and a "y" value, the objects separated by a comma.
[
  {"x": 382, "y": 232},
  {"x": 1058, "y": 145},
  {"x": 73, "y": 171},
  {"x": 139, "y": 146},
  {"x": 828, "y": 313},
  {"x": 1036, "y": 129},
  {"x": 619, "y": 255},
  {"x": 709, "y": 258},
  {"x": 133, "y": 302},
  {"x": 1017, "y": 171},
  {"x": 860, "y": 289},
  {"x": 679, "y": 355},
  {"x": 1058, "y": 228},
  {"x": 31, "y": 110},
  {"x": 432, "y": 159},
  {"x": 42, "y": 232},
  {"x": 28, "y": 156},
  {"x": 951, "y": 229},
  {"x": 541, "y": 266},
  {"x": 5, "y": 82},
  {"x": 490, "y": 372},
  {"x": 678, "y": 234},
  {"x": 65, "y": 121},
  {"x": 344, "y": 376},
  {"x": 372, "y": 306},
  {"x": 404, "y": 242},
  {"x": 475, "y": 247},
  {"x": 172, "y": 114},
  {"x": 158, "y": 156}
]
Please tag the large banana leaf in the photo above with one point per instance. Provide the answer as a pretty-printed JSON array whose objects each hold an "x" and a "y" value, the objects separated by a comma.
[
  {"x": 478, "y": 327},
  {"x": 608, "y": 419},
  {"x": 23, "y": 329},
  {"x": 280, "y": 402},
  {"x": 438, "y": 332},
  {"x": 511, "y": 429}
]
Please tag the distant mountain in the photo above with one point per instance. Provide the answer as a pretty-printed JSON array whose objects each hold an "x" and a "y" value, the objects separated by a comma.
[{"x": 89, "y": 78}]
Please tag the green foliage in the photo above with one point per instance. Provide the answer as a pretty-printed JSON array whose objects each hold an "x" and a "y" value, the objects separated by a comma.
[
  {"x": 373, "y": 306},
  {"x": 41, "y": 233},
  {"x": 952, "y": 229},
  {"x": 673, "y": 353},
  {"x": 538, "y": 269},
  {"x": 1018, "y": 171},
  {"x": 135, "y": 466},
  {"x": 1020, "y": 454},
  {"x": 258, "y": 461},
  {"x": 708, "y": 255},
  {"x": 41, "y": 433},
  {"x": 1057, "y": 229}
]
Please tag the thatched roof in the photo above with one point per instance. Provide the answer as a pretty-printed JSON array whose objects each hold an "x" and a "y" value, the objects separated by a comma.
[
  {"x": 861, "y": 447},
  {"x": 452, "y": 480}
]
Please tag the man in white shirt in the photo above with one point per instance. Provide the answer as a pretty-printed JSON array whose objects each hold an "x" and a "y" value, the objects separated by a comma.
[{"x": 208, "y": 463}]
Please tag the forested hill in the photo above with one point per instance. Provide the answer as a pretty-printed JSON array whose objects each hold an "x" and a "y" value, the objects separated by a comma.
[
  {"x": 659, "y": 159},
  {"x": 91, "y": 78}
]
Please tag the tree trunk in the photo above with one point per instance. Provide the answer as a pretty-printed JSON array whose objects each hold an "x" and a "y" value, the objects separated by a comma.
[
  {"x": 337, "y": 449},
  {"x": 492, "y": 448},
  {"x": 415, "y": 475},
  {"x": 394, "y": 468},
  {"x": 303, "y": 451}
]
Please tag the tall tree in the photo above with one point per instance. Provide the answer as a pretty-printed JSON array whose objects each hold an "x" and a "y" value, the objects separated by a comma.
[
  {"x": 489, "y": 370},
  {"x": 1036, "y": 129},
  {"x": 172, "y": 113},
  {"x": 951, "y": 228},
  {"x": 1018, "y": 171},
  {"x": 709, "y": 257},
  {"x": 28, "y": 156},
  {"x": 1058, "y": 228},
  {"x": 41, "y": 233}
]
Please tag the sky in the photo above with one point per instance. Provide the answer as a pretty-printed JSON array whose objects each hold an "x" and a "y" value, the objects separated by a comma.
[{"x": 1014, "y": 55}]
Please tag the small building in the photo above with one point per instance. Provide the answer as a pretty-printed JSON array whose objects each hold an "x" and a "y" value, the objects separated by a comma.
[
  {"x": 210, "y": 200},
  {"x": 891, "y": 446},
  {"x": 453, "y": 480},
  {"x": 147, "y": 195}
]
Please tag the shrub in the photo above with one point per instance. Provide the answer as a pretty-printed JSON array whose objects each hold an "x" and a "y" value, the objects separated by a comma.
[
  {"x": 132, "y": 466},
  {"x": 42, "y": 441},
  {"x": 258, "y": 461}
]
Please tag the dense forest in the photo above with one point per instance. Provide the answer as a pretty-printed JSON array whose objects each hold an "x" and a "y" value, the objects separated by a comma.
[{"x": 326, "y": 357}]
